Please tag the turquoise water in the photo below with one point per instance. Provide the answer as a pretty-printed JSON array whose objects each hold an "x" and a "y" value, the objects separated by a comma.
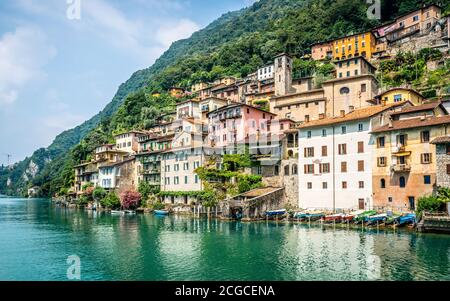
[{"x": 36, "y": 239}]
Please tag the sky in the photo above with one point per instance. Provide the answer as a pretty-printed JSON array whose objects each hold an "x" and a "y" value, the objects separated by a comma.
[{"x": 61, "y": 61}]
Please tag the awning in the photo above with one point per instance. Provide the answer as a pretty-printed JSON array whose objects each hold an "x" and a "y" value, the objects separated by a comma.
[{"x": 403, "y": 154}]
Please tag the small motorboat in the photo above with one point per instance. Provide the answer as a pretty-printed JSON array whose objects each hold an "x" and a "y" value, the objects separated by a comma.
[
  {"x": 161, "y": 212},
  {"x": 380, "y": 218},
  {"x": 274, "y": 213},
  {"x": 333, "y": 218},
  {"x": 391, "y": 219},
  {"x": 130, "y": 212},
  {"x": 407, "y": 219},
  {"x": 361, "y": 218},
  {"x": 117, "y": 212}
]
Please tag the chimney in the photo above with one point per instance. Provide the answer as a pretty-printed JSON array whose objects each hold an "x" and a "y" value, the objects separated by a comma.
[
  {"x": 351, "y": 109},
  {"x": 342, "y": 113},
  {"x": 383, "y": 103}
]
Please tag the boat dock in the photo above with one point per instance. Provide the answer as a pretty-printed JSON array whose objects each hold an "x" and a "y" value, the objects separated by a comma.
[{"x": 434, "y": 222}]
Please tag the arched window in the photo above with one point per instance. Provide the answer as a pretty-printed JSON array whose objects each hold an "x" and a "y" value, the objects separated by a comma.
[
  {"x": 383, "y": 183},
  {"x": 344, "y": 90},
  {"x": 286, "y": 170},
  {"x": 290, "y": 153},
  {"x": 294, "y": 169},
  {"x": 402, "y": 181}
]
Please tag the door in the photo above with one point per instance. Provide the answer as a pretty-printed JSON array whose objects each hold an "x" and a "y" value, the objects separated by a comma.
[
  {"x": 361, "y": 204},
  {"x": 412, "y": 203}
]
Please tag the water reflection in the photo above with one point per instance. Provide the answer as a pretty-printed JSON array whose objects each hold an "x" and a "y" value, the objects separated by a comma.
[{"x": 36, "y": 239}]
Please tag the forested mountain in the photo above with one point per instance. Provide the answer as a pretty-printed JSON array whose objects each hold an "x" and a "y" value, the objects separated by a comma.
[{"x": 235, "y": 44}]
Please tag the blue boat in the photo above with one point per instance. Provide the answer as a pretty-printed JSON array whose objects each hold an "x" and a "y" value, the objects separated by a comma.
[
  {"x": 380, "y": 218},
  {"x": 406, "y": 219},
  {"x": 276, "y": 212},
  {"x": 161, "y": 212}
]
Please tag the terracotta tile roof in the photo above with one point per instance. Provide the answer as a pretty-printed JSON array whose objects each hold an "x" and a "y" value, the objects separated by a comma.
[
  {"x": 441, "y": 140},
  {"x": 425, "y": 107},
  {"x": 413, "y": 123},
  {"x": 357, "y": 114}
]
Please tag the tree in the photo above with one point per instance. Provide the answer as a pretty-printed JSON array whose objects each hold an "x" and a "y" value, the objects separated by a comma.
[
  {"x": 99, "y": 193},
  {"x": 111, "y": 201},
  {"x": 130, "y": 199}
]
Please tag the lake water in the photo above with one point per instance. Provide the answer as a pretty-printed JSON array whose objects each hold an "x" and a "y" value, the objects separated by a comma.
[{"x": 36, "y": 239}]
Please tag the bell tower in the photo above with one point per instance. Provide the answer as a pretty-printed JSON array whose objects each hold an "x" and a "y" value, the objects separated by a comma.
[{"x": 283, "y": 74}]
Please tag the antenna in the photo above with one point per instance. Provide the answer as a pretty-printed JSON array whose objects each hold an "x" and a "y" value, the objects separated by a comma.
[{"x": 8, "y": 156}]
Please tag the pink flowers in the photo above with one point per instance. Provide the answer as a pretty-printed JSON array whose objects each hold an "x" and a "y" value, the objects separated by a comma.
[{"x": 130, "y": 199}]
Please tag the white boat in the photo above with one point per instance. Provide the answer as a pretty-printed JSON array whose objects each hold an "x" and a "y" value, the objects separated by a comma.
[
  {"x": 116, "y": 212},
  {"x": 130, "y": 212}
]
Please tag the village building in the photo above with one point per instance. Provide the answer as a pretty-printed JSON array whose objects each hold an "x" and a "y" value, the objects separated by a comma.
[
  {"x": 360, "y": 44},
  {"x": 211, "y": 104},
  {"x": 128, "y": 142},
  {"x": 177, "y": 92},
  {"x": 398, "y": 95},
  {"x": 322, "y": 51},
  {"x": 442, "y": 156},
  {"x": 118, "y": 176},
  {"x": 404, "y": 163},
  {"x": 266, "y": 72},
  {"x": 335, "y": 160}
]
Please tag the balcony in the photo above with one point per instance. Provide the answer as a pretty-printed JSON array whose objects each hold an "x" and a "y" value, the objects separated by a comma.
[
  {"x": 151, "y": 171},
  {"x": 398, "y": 149},
  {"x": 401, "y": 168}
]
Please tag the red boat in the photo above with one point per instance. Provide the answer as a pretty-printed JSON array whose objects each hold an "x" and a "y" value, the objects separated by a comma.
[{"x": 333, "y": 218}]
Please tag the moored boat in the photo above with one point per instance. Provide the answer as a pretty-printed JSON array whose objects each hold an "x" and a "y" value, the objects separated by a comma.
[
  {"x": 361, "y": 218},
  {"x": 117, "y": 212},
  {"x": 406, "y": 219},
  {"x": 379, "y": 218},
  {"x": 161, "y": 212},
  {"x": 274, "y": 213},
  {"x": 333, "y": 218}
]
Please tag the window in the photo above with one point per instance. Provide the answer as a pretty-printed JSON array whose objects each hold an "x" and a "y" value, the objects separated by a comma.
[
  {"x": 383, "y": 183},
  {"x": 324, "y": 185},
  {"x": 363, "y": 87},
  {"x": 340, "y": 74},
  {"x": 361, "y": 165},
  {"x": 427, "y": 180},
  {"x": 196, "y": 179},
  {"x": 344, "y": 130},
  {"x": 343, "y": 166},
  {"x": 344, "y": 185},
  {"x": 324, "y": 151},
  {"x": 306, "y": 118},
  {"x": 176, "y": 180},
  {"x": 324, "y": 168},
  {"x": 402, "y": 182},
  {"x": 356, "y": 72},
  {"x": 426, "y": 158},
  {"x": 287, "y": 170},
  {"x": 360, "y": 127},
  {"x": 448, "y": 169},
  {"x": 294, "y": 169},
  {"x": 348, "y": 73},
  {"x": 309, "y": 169},
  {"x": 361, "y": 184},
  {"x": 390, "y": 199},
  {"x": 309, "y": 134},
  {"x": 381, "y": 161},
  {"x": 380, "y": 142},
  {"x": 309, "y": 152},
  {"x": 415, "y": 18},
  {"x": 361, "y": 147},
  {"x": 425, "y": 136},
  {"x": 342, "y": 149},
  {"x": 324, "y": 133},
  {"x": 401, "y": 140},
  {"x": 397, "y": 98},
  {"x": 309, "y": 185},
  {"x": 447, "y": 146},
  {"x": 344, "y": 90},
  {"x": 176, "y": 167},
  {"x": 185, "y": 179},
  {"x": 186, "y": 166}
]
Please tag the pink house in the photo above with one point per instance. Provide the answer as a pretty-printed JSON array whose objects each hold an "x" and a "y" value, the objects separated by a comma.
[{"x": 238, "y": 124}]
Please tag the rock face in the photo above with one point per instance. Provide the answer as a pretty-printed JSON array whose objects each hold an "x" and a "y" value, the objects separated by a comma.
[{"x": 32, "y": 169}]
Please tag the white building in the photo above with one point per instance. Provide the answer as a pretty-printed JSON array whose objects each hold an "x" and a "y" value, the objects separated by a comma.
[
  {"x": 128, "y": 142},
  {"x": 266, "y": 72},
  {"x": 335, "y": 160}
]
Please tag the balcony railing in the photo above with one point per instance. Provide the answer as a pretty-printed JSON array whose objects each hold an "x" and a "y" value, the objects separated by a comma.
[{"x": 401, "y": 168}]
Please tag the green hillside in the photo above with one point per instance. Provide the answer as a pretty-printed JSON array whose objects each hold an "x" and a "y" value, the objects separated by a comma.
[{"x": 235, "y": 44}]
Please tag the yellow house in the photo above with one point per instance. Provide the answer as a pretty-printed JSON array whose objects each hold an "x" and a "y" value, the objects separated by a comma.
[
  {"x": 399, "y": 95},
  {"x": 361, "y": 44}
]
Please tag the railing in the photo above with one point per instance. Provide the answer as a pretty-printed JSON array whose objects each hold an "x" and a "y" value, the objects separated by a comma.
[{"x": 401, "y": 167}]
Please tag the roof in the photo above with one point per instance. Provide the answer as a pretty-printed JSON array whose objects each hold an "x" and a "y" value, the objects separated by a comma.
[
  {"x": 187, "y": 101},
  {"x": 236, "y": 104},
  {"x": 396, "y": 89},
  {"x": 441, "y": 140},
  {"x": 131, "y": 132},
  {"x": 413, "y": 123},
  {"x": 343, "y": 37},
  {"x": 357, "y": 114},
  {"x": 117, "y": 163},
  {"x": 425, "y": 107},
  {"x": 349, "y": 78},
  {"x": 418, "y": 9}
]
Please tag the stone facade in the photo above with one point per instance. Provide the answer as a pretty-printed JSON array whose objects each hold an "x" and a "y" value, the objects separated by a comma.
[{"x": 442, "y": 165}]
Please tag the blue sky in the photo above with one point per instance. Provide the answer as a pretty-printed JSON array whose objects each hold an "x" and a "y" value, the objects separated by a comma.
[{"x": 56, "y": 72}]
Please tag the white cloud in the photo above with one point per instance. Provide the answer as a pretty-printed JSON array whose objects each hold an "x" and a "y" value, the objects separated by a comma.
[
  {"x": 23, "y": 54},
  {"x": 171, "y": 32}
]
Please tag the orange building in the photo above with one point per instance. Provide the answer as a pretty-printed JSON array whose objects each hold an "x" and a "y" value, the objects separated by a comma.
[{"x": 361, "y": 44}]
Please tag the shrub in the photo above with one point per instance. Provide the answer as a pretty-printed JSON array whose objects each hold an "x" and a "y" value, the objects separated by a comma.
[
  {"x": 158, "y": 206},
  {"x": 99, "y": 193},
  {"x": 130, "y": 199},
  {"x": 111, "y": 201}
]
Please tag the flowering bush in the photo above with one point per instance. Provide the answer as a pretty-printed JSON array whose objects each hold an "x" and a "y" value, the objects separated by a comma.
[{"x": 130, "y": 199}]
